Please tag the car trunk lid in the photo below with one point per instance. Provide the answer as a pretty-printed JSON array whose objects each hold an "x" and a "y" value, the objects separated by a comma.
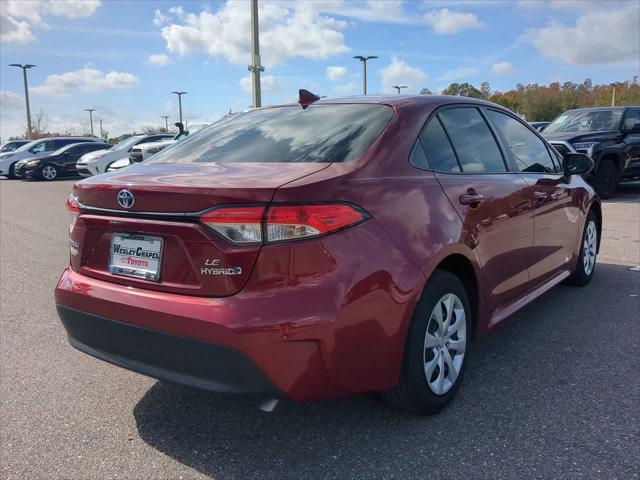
[{"x": 192, "y": 258}]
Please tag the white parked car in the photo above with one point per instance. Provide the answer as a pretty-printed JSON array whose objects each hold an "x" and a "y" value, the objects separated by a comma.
[
  {"x": 140, "y": 153},
  {"x": 95, "y": 163},
  {"x": 40, "y": 148}
]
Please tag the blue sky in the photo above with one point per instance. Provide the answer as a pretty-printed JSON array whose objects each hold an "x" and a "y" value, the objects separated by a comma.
[{"x": 123, "y": 58}]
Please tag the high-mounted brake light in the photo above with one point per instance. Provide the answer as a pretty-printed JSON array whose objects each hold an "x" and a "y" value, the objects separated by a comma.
[
  {"x": 238, "y": 224},
  {"x": 282, "y": 222}
]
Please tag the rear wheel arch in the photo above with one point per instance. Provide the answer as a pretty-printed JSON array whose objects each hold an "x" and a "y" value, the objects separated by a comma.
[
  {"x": 596, "y": 208},
  {"x": 461, "y": 267}
]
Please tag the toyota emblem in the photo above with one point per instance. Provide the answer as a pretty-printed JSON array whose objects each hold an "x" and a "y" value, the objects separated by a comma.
[{"x": 126, "y": 199}]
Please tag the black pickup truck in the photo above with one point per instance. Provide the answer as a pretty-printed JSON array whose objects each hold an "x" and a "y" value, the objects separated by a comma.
[{"x": 610, "y": 135}]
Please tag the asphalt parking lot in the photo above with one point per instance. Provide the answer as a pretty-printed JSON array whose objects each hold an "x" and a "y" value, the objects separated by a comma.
[{"x": 555, "y": 393}]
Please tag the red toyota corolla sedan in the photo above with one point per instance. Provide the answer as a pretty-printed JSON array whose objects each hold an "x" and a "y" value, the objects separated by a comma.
[{"x": 326, "y": 248}]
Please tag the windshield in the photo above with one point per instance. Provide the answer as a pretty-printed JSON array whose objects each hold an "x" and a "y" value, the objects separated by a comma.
[
  {"x": 64, "y": 149},
  {"x": 319, "y": 133},
  {"x": 27, "y": 146},
  {"x": 10, "y": 147},
  {"x": 586, "y": 121},
  {"x": 129, "y": 142}
]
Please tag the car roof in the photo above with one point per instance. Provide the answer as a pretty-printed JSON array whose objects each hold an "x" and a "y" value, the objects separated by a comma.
[
  {"x": 432, "y": 101},
  {"x": 91, "y": 139},
  {"x": 597, "y": 109}
]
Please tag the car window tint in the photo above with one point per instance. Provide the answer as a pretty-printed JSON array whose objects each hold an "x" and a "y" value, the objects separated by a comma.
[
  {"x": 529, "y": 152},
  {"x": 473, "y": 142},
  {"x": 418, "y": 158},
  {"x": 438, "y": 150},
  {"x": 631, "y": 119},
  {"x": 54, "y": 145},
  {"x": 315, "y": 133}
]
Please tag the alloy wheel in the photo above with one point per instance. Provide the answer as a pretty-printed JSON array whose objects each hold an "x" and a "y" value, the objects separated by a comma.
[
  {"x": 589, "y": 248},
  {"x": 49, "y": 172},
  {"x": 445, "y": 344}
]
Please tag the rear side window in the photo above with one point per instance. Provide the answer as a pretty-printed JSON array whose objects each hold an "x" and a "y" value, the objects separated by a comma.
[
  {"x": 318, "y": 133},
  {"x": 472, "y": 141},
  {"x": 437, "y": 148},
  {"x": 529, "y": 152}
]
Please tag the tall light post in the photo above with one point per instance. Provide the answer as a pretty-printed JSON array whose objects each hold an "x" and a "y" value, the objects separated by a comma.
[
  {"x": 255, "y": 68},
  {"x": 364, "y": 70},
  {"x": 101, "y": 134},
  {"x": 24, "y": 68},
  {"x": 166, "y": 122},
  {"x": 399, "y": 87},
  {"x": 179, "y": 94},
  {"x": 90, "y": 110}
]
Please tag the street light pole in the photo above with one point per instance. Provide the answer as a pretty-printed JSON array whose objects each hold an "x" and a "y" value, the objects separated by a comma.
[
  {"x": 364, "y": 70},
  {"x": 399, "y": 87},
  {"x": 255, "y": 68},
  {"x": 166, "y": 122},
  {"x": 180, "y": 102},
  {"x": 90, "y": 110},
  {"x": 24, "y": 68},
  {"x": 101, "y": 134}
]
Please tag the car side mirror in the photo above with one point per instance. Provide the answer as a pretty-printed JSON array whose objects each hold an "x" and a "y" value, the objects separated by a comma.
[{"x": 577, "y": 164}]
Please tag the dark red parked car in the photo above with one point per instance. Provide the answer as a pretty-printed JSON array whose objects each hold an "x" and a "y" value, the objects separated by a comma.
[{"x": 326, "y": 248}]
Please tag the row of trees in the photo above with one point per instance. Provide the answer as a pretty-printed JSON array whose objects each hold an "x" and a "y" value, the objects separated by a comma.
[{"x": 544, "y": 102}]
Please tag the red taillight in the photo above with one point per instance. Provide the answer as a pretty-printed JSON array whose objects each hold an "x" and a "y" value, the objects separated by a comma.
[
  {"x": 238, "y": 224},
  {"x": 72, "y": 205},
  {"x": 283, "y": 222},
  {"x": 301, "y": 221}
]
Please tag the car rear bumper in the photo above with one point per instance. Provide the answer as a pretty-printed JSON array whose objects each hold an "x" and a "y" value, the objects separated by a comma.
[
  {"x": 165, "y": 356},
  {"x": 191, "y": 340}
]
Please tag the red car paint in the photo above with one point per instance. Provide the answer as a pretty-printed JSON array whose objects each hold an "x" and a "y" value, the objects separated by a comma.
[{"x": 327, "y": 316}]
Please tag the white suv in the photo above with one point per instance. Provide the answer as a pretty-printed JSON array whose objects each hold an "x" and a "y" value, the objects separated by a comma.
[{"x": 95, "y": 163}]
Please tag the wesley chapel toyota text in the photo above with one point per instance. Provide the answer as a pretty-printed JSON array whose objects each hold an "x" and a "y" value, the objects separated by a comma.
[{"x": 325, "y": 248}]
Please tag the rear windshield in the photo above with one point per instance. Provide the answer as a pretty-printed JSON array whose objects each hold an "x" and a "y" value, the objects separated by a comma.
[{"x": 319, "y": 133}]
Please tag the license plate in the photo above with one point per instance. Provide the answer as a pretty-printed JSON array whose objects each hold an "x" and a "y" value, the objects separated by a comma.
[{"x": 137, "y": 256}]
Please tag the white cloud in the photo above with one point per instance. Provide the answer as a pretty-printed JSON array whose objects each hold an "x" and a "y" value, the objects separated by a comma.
[
  {"x": 386, "y": 11},
  {"x": 159, "y": 59},
  {"x": 18, "y": 17},
  {"x": 87, "y": 79},
  {"x": 501, "y": 68},
  {"x": 14, "y": 31},
  {"x": 462, "y": 73},
  {"x": 400, "y": 72},
  {"x": 599, "y": 37},
  {"x": 336, "y": 73},
  {"x": 286, "y": 31},
  {"x": 446, "y": 22},
  {"x": 159, "y": 18},
  {"x": 268, "y": 84},
  {"x": 10, "y": 100}
]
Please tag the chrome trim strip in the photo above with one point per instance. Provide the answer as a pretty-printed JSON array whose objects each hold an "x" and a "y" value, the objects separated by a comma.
[{"x": 129, "y": 213}]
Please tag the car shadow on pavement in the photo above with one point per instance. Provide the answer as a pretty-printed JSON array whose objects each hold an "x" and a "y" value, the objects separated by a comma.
[{"x": 528, "y": 401}]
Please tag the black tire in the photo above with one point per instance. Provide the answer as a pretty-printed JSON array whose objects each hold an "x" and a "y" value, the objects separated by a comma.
[
  {"x": 12, "y": 172},
  {"x": 413, "y": 393},
  {"x": 607, "y": 178},
  {"x": 41, "y": 175},
  {"x": 580, "y": 275}
]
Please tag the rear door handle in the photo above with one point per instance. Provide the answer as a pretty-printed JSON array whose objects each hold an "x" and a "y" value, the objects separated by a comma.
[{"x": 471, "y": 199}]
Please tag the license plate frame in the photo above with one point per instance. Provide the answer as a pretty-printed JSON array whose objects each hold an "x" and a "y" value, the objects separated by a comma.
[{"x": 136, "y": 268}]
